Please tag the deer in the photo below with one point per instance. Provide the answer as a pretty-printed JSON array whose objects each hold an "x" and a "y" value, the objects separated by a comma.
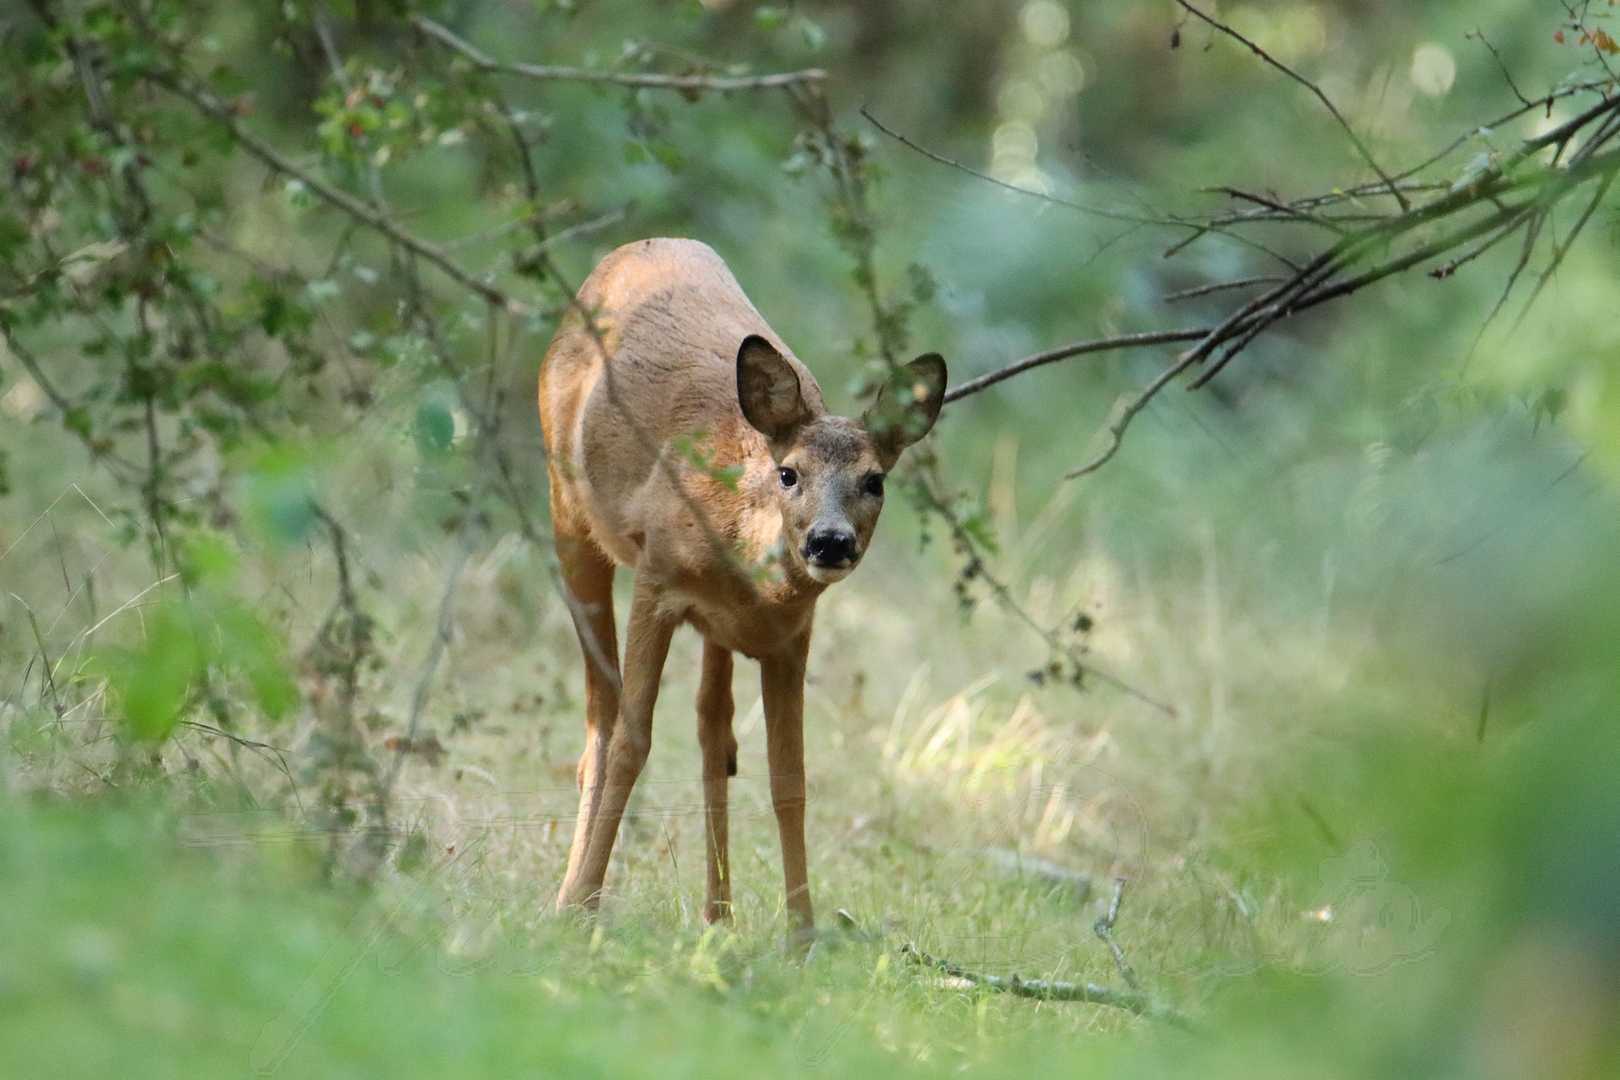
[{"x": 685, "y": 441}]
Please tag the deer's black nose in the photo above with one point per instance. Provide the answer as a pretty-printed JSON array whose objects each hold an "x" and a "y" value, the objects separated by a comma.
[{"x": 830, "y": 546}]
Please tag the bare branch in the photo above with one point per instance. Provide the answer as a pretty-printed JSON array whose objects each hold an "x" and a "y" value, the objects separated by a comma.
[
  {"x": 718, "y": 84},
  {"x": 1197, "y": 228},
  {"x": 1115, "y": 432},
  {"x": 952, "y": 163},
  {"x": 1361, "y": 148},
  {"x": 1104, "y": 929},
  {"x": 1063, "y": 352},
  {"x": 1479, "y": 36}
]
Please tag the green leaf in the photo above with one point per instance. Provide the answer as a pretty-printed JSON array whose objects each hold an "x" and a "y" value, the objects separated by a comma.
[
  {"x": 279, "y": 493},
  {"x": 248, "y": 648},
  {"x": 435, "y": 428},
  {"x": 151, "y": 682}
]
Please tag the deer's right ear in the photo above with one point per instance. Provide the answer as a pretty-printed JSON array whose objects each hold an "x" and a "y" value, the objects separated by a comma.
[{"x": 768, "y": 390}]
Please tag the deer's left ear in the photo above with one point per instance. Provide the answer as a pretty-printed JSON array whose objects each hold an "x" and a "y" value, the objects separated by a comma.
[{"x": 908, "y": 405}]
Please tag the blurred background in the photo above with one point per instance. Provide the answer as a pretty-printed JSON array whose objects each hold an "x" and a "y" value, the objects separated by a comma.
[{"x": 1323, "y": 662}]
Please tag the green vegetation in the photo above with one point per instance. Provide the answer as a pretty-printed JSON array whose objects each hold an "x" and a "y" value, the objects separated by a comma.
[{"x": 1321, "y": 662}]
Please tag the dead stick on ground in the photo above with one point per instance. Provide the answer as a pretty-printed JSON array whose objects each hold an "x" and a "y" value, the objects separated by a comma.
[
  {"x": 1054, "y": 990},
  {"x": 1104, "y": 929}
]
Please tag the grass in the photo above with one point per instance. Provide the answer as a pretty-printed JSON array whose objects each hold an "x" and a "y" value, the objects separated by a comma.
[
  {"x": 203, "y": 911},
  {"x": 1324, "y": 856}
]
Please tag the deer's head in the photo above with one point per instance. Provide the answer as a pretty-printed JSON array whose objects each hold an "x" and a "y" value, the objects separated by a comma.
[{"x": 830, "y": 469}]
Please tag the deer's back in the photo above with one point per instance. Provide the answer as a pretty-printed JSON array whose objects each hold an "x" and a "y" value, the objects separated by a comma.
[{"x": 655, "y": 364}]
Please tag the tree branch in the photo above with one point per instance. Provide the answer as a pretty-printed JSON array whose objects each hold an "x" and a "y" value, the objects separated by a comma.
[
  {"x": 1063, "y": 352},
  {"x": 1313, "y": 88},
  {"x": 718, "y": 84},
  {"x": 337, "y": 197}
]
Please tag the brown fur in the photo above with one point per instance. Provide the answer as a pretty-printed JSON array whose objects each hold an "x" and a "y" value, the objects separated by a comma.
[{"x": 654, "y": 465}]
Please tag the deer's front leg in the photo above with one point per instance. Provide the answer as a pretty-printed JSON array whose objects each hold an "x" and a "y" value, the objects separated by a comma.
[
  {"x": 783, "y": 683},
  {"x": 645, "y": 648},
  {"x": 719, "y": 764}
]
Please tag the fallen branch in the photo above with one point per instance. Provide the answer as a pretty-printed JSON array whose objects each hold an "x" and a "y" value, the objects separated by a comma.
[
  {"x": 1054, "y": 990},
  {"x": 1104, "y": 929}
]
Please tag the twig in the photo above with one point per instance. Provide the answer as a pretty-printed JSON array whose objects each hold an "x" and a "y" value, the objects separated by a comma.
[
  {"x": 642, "y": 79},
  {"x": 1115, "y": 432},
  {"x": 36, "y": 371},
  {"x": 1063, "y": 352},
  {"x": 952, "y": 163},
  {"x": 1287, "y": 212},
  {"x": 430, "y": 664},
  {"x": 349, "y": 204},
  {"x": 1104, "y": 929},
  {"x": 1198, "y": 229},
  {"x": 1479, "y": 36},
  {"x": 1562, "y": 249},
  {"x": 1131, "y": 1001},
  {"x": 1361, "y": 148},
  {"x": 1219, "y": 286}
]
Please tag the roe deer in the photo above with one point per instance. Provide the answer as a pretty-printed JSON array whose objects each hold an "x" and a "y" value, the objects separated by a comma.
[{"x": 684, "y": 440}]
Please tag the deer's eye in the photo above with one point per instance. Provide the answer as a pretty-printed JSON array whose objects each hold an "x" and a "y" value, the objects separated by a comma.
[
  {"x": 789, "y": 477},
  {"x": 874, "y": 485}
]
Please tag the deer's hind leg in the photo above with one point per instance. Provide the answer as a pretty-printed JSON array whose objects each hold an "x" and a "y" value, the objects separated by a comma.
[
  {"x": 587, "y": 575},
  {"x": 715, "y": 710},
  {"x": 646, "y": 647}
]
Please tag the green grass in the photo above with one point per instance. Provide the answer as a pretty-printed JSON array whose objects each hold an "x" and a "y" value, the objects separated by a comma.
[{"x": 1322, "y": 761}]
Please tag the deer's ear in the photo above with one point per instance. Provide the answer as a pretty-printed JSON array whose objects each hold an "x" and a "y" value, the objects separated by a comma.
[
  {"x": 908, "y": 405},
  {"x": 768, "y": 390}
]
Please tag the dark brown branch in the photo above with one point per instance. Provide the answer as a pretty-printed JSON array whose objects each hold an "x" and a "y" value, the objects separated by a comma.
[
  {"x": 1314, "y": 285},
  {"x": 1361, "y": 148},
  {"x": 718, "y": 84},
  {"x": 1281, "y": 210},
  {"x": 1546, "y": 102},
  {"x": 1063, "y": 352}
]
